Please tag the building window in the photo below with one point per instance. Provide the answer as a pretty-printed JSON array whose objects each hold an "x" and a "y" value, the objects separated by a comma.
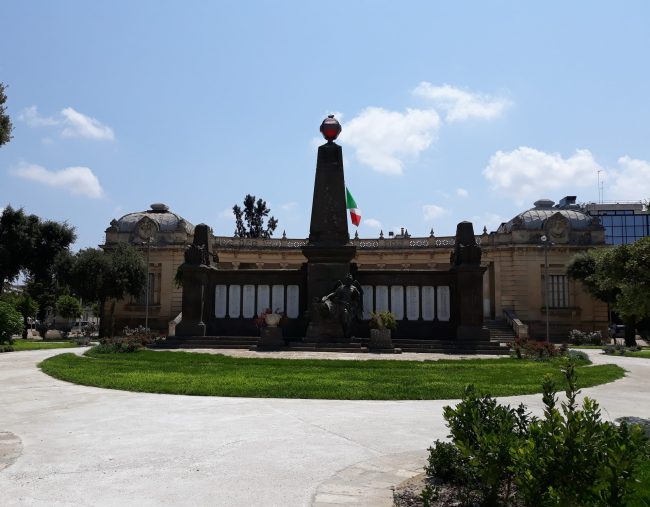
[
  {"x": 558, "y": 288},
  {"x": 154, "y": 290}
]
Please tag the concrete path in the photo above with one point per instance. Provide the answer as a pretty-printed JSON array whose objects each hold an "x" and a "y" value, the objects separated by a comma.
[{"x": 63, "y": 444}]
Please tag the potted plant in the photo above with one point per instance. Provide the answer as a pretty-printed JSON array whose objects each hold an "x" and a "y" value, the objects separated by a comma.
[
  {"x": 270, "y": 331},
  {"x": 381, "y": 326}
]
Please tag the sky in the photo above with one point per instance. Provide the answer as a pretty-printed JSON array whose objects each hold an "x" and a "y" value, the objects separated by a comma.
[{"x": 451, "y": 111}]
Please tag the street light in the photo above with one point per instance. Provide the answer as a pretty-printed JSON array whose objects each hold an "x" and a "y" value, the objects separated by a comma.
[
  {"x": 146, "y": 294},
  {"x": 545, "y": 245}
]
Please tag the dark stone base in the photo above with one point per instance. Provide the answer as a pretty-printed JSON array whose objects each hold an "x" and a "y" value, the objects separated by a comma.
[
  {"x": 185, "y": 328},
  {"x": 380, "y": 339},
  {"x": 327, "y": 332},
  {"x": 270, "y": 339},
  {"x": 472, "y": 333}
]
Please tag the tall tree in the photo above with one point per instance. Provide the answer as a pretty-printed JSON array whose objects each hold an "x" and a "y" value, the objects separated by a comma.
[
  {"x": 253, "y": 214},
  {"x": 620, "y": 277},
  {"x": 25, "y": 305},
  {"x": 5, "y": 121},
  {"x": 99, "y": 275}
]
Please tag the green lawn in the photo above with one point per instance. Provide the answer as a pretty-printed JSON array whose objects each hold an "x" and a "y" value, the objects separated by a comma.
[
  {"x": 639, "y": 353},
  {"x": 36, "y": 345},
  {"x": 218, "y": 375}
]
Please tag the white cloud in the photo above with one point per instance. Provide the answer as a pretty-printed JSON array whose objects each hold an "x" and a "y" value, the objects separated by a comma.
[
  {"x": 80, "y": 125},
  {"x": 30, "y": 116},
  {"x": 432, "y": 211},
  {"x": 526, "y": 172},
  {"x": 490, "y": 220},
  {"x": 630, "y": 182},
  {"x": 226, "y": 213},
  {"x": 461, "y": 192},
  {"x": 73, "y": 123},
  {"x": 372, "y": 223},
  {"x": 288, "y": 206},
  {"x": 460, "y": 104},
  {"x": 76, "y": 180},
  {"x": 384, "y": 139}
]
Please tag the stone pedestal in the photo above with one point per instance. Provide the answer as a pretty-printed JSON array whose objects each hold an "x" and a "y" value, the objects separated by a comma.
[
  {"x": 469, "y": 304},
  {"x": 380, "y": 339},
  {"x": 192, "y": 323},
  {"x": 270, "y": 339}
]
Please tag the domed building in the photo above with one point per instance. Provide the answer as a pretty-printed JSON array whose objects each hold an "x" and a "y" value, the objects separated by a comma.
[
  {"x": 515, "y": 284},
  {"x": 162, "y": 236}
]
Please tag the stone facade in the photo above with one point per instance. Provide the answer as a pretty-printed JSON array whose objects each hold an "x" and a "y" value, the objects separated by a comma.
[{"x": 513, "y": 258}]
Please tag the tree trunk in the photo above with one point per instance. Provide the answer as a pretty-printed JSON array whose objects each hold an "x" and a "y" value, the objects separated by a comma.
[
  {"x": 630, "y": 333},
  {"x": 113, "y": 318},
  {"x": 102, "y": 321},
  {"x": 25, "y": 327}
]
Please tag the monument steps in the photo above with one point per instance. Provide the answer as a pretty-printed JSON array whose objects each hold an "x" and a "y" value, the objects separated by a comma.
[
  {"x": 499, "y": 330},
  {"x": 209, "y": 342},
  {"x": 451, "y": 347}
]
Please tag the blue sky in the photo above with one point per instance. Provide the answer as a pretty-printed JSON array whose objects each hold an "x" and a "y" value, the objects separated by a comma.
[{"x": 450, "y": 111}]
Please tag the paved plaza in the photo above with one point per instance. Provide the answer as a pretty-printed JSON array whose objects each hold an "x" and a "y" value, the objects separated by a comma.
[{"x": 63, "y": 444}]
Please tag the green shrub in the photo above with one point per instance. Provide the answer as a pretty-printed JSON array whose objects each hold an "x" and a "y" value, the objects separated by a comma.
[
  {"x": 132, "y": 339},
  {"x": 383, "y": 320},
  {"x": 11, "y": 322},
  {"x": 571, "y": 457},
  {"x": 6, "y": 348},
  {"x": 523, "y": 348}
]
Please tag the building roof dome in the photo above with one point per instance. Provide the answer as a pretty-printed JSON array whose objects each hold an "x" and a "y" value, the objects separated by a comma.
[
  {"x": 535, "y": 218},
  {"x": 157, "y": 219}
]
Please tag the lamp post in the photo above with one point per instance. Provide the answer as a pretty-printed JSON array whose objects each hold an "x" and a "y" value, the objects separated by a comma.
[
  {"x": 545, "y": 245},
  {"x": 146, "y": 294}
]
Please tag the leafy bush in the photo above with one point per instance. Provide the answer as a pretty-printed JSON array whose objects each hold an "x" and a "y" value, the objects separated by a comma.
[
  {"x": 132, "y": 339},
  {"x": 523, "y": 348},
  {"x": 11, "y": 322},
  {"x": 577, "y": 337},
  {"x": 499, "y": 455},
  {"x": 383, "y": 320},
  {"x": 6, "y": 348}
]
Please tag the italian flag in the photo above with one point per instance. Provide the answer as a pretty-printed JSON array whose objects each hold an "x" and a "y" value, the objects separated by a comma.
[{"x": 350, "y": 203}]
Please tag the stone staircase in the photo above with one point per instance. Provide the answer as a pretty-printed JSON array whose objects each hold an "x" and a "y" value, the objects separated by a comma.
[
  {"x": 209, "y": 342},
  {"x": 451, "y": 347},
  {"x": 359, "y": 345},
  {"x": 500, "y": 331}
]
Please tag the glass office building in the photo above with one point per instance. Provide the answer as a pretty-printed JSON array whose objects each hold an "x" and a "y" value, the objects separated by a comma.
[{"x": 624, "y": 222}]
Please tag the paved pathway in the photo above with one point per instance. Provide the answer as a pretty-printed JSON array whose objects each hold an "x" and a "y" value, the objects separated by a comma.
[{"x": 63, "y": 444}]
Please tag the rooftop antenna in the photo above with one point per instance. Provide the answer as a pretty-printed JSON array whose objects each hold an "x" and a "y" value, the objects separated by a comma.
[{"x": 600, "y": 198}]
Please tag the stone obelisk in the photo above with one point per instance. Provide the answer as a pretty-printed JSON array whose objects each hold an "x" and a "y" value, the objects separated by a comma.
[{"x": 328, "y": 251}]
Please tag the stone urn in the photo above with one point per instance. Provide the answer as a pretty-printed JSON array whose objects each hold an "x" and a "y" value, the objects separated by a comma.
[
  {"x": 380, "y": 339},
  {"x": 272, "y": 319}
]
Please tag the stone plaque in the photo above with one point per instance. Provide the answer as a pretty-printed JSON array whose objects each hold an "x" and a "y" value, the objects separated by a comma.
[
  {"x": 443, "y": 303},
  {"x": 397, "y": 301},
  {"x": 412, "y": 302},
  {"x": 368, "y": 293},
  {"x": 277, "y": 298},
  {"x": 381, "y": 298},
  {"x": 249, "y": 301},
  {"x": 220, "y": 300},
  {"x": 428, "y": 302},
  {"x": 263, "y": 298},
  {"x": 293, "y": 301},
  {"x": 234, "y": 302}
]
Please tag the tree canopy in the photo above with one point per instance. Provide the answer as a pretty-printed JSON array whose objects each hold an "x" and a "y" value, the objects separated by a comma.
[
  {"x": 5, "y": 121},
  {"x": 253, "y": 214},
  {"x": 98, "y": 275},
  {"x": 619, "y": 276},
  {"x": 39, "y": 248}
]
